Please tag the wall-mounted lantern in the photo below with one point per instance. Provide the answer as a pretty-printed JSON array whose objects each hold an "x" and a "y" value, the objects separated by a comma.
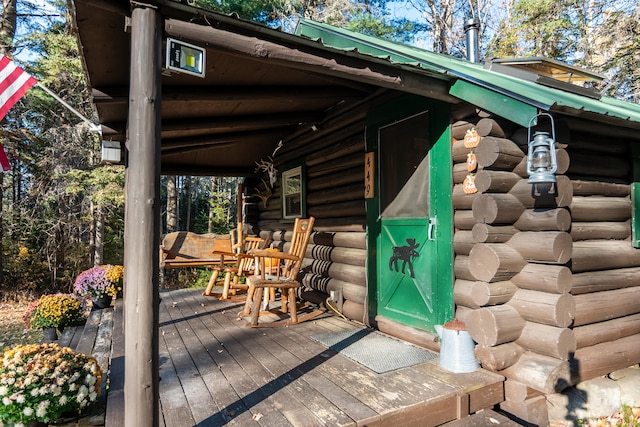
[
  {"x": 111, "y": 152},
  {"x": 542, "y": 163}
]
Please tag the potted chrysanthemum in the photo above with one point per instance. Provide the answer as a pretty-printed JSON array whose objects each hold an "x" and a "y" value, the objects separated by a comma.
[
  {"x": 53, "y": 312},
  {"x": 94, "y": 284},
  {"x": 115, "y": 274},
  {"x": 43, "y": 382}
]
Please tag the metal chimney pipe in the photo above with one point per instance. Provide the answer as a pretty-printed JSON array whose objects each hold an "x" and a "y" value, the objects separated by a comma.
[{"x": 471, "y": 30}]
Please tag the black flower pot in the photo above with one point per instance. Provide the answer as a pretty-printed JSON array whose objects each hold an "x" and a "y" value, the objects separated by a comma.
[
  {"x": 102, "y": 302},
  {"x": 49, "y": 333}
]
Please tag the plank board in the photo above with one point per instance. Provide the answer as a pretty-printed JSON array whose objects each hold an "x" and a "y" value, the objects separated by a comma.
[
  {"x": 173, "y": 399},
  {"x": 70, "y": 336},
  {"x": 88, "y": 337},
  {"x": 486, "y": 418},
  {"x": 115, "y": 397}
]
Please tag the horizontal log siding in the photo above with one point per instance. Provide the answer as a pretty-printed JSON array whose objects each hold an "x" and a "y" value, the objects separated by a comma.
[
  {"x": 604, "y": 264},
  {"x": 567, "y": 255},
  {"x": 336, "y": 255}
]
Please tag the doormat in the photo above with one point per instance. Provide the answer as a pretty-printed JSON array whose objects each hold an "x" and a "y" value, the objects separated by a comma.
[{"x": 378, "y": 352}]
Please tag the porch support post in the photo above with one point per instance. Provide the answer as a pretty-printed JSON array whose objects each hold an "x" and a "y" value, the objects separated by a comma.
[{"x": 142, "y": 221}]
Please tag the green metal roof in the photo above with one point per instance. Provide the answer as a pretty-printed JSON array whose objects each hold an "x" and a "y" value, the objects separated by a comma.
[{"x": 513, "y": 98}]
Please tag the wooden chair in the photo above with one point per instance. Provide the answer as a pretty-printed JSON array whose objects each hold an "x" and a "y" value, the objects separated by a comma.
[
  {"x": 282, "y": 276},
  {"x": 237, "y": 237},
  {"x": 233, "y": 265}
]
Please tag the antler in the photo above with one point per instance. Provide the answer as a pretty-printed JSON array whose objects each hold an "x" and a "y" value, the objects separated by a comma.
[
  {"x": 264, "y": 196},
  {"x": 269, "y": 168}
]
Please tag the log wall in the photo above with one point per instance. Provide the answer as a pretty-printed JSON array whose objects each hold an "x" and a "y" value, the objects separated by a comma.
[
  {"x": 546, "y": 275},
  {"x": 336, "y": 255}
]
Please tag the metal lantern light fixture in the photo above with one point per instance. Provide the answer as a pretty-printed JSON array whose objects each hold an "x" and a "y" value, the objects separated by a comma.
[
  {"x": 111, "y": 152},
  {"x": 542, "y": 163}
]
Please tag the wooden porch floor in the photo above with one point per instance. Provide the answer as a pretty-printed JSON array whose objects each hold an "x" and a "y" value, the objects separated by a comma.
[{"x": 216, "y": 372}]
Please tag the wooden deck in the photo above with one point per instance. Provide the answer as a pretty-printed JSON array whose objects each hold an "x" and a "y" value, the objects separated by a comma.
[{"x": 216, "y": 372}]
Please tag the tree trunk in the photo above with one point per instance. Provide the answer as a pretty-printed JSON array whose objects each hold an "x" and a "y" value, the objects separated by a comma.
[
  {"x": 172, "y": 205},
  {"x": 187, "y": 189},
  {"x": 8, "y": 25},
  {"x": 212, "y": 203},
  {"x": 99, "y": 237},
  {"x": 92, "y": 233}
]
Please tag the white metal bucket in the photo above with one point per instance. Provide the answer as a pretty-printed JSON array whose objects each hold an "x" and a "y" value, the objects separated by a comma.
[{"x": 456, "y": 348}]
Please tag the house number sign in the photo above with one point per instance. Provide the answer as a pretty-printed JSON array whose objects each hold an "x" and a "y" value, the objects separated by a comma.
[{"x": 369, "y": 175}]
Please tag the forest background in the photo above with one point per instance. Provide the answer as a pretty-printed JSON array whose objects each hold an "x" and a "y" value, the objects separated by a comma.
[{"x": 62, "y": 210}]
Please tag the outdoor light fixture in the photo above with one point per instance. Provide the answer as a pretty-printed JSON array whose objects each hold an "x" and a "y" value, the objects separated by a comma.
[
  {"x": 185, "y": 58},
  {"x": 541, "y": 157},
  {"x": 111, "y": 151}
]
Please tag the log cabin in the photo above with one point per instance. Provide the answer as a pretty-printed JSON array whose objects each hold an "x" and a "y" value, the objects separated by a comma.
[{"x": 415, "y": 166}]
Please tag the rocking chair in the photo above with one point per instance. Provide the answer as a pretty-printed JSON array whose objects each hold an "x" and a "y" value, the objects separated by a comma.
[
  {"x": 234, "y": 265},
  {"x": 280, "y": 275}
]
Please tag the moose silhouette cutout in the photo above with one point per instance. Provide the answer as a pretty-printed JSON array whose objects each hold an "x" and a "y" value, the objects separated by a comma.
[{"x": 406, "y": 254}]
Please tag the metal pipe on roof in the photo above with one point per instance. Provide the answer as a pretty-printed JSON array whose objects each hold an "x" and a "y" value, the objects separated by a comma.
[{"x": 471, "y": 30}]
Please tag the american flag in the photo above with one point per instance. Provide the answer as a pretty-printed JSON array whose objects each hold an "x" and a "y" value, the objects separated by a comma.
[{"x": 14, "y": 83}]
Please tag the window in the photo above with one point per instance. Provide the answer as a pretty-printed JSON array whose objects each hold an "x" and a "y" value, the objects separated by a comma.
[{"x": 292, "y": 193}]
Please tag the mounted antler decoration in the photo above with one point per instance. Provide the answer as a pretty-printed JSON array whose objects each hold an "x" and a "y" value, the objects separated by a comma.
[
  {"x": 264, "y": 196},
  {"x": 270, "y": 169}
]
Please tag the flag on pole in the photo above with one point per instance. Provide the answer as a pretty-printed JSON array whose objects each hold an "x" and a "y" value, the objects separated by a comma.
[{"x": 14, "y": 83}]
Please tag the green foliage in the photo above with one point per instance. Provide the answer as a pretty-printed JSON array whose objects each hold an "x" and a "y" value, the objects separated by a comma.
[
  {"x": 600, "y": 35},
  {"x": 540, "y": 28},
  {"x": 194, "y": 277},
  {"x": 255, "y": 10},
  {"x": 368, "y": 17},
  {"x": 201, "y": 279},
  {"x": 211, "y": 206},
  {"x": 400, "y": 30},
  {"x": 616, "y": 53},
  {"x": 103, "y": 185}
]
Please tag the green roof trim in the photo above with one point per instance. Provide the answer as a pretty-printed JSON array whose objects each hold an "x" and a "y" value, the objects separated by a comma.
[
  {"x": 497, "y": 87},
  {"x": 504, "y": 106}
]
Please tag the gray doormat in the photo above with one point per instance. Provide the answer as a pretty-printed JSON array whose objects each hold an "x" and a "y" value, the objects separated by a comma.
[{"x": 378, "y": 352}]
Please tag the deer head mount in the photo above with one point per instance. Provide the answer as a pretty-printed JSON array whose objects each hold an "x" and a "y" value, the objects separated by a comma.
[{"x": 270, "y": 169}]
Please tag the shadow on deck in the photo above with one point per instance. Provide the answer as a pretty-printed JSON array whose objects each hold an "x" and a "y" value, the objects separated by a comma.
[{"x": 216, "y": 372}]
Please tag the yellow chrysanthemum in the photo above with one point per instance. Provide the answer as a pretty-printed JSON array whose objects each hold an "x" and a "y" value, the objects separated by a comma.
[
  {"x": 115, "y": 273},
  {"x": 23, "y": 252}
]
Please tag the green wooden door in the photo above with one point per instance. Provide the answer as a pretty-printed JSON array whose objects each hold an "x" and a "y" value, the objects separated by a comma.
[{"x": 410, "y": 218}]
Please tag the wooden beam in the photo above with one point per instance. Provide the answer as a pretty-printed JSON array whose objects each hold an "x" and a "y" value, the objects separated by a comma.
[
  {"x": 108, "y": 6},
  {"x": 142, "y": 221},
  {"x": 184, "y": 170},
  {"x": 318, "y": 61},
  {"x": 116, "y": 131},
  {"x": 196, "y": 143},
  {"x": 119, "y": 94},
  {"x": 254, "y": 120}
]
